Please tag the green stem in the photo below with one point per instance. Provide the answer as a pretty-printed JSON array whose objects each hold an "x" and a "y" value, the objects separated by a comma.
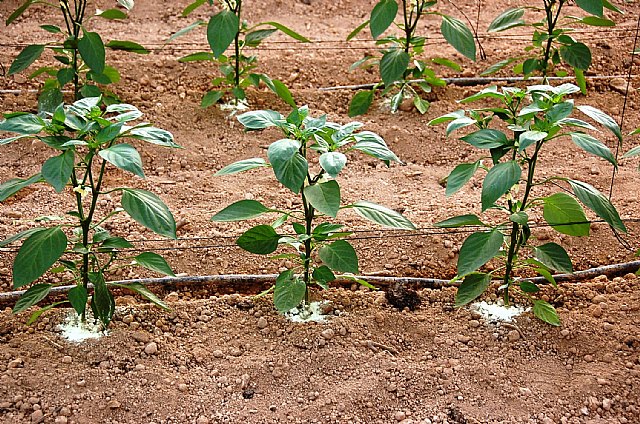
[
  {"x": 237, "y": 46},
  {"x": 309, "y": 213},
  {"x": 551, "y": 26}
]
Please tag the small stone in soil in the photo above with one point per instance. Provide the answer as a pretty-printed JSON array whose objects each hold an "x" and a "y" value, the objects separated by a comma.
[
  {"x": 151, "y": 348},
  {"x": 262, "y": 322},
  {"x": 248, "y": 393}
]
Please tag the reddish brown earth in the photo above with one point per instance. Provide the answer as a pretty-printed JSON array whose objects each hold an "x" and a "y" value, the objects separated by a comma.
[{"x": 371, "y": 363}]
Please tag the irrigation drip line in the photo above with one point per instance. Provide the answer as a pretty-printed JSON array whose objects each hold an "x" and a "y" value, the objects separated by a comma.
[
  {"x": 431, "y": 283},
  {"x": 464, "y": 81}
]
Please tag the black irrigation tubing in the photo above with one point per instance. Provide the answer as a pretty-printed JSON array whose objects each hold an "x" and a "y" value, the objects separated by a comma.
[{"x": 431, "y": 283}]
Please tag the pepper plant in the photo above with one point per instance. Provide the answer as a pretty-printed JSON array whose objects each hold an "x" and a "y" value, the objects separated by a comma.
[
  {"x": 320, "y": 249},
  {"x": 534, "y": 118},
  {"x": 87, "y": 137},
  {"x": 403, "y": 74},
  {"x": 79, "y": 52},
  {"x": 552, "y": 42},
  {"x": 227, "y": 28}
]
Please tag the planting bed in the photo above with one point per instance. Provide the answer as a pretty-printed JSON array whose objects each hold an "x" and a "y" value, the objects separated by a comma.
[{"x": 228, "y": 358}]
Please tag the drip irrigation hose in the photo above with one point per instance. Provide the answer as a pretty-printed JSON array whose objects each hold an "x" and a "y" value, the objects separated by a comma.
[{"x": 431, "y": 283}]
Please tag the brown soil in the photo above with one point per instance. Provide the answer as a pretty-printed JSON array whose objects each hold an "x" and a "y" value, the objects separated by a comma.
[{"x": 371, "y": 363}]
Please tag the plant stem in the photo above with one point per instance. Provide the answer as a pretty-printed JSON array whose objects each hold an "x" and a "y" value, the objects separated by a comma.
[
  {"x": 407, "y": 26},
  {"x": 551, "y": 26},
  {"x": 309, "y": 213},
  {"x": 237, "y": 46}
]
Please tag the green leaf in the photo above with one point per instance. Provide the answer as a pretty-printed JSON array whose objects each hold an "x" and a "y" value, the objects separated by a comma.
[
  {"x": 594, "y": 146},
  {"x": 221, "y": 31},
  {"x": 596, "y": 21},
  {"x": 471, "y": 288},
  {"x": 289, "y": 166},
  {"x": 372, "y": 144},
  {"x": 382, "y": 215},
  {"x": 325, "y": 197},
  {"x": 241, "y": 166},
  {"x": 19, "y": 11},
  {"x": 323, "y": 275},
  {"x": 602, "y": 118},
  {"x": 565, "y": 215},
  {"x": 154, "y": 262},
  {"x": 333, "y": 162},
  {"x": 529, "y": 287},
  {"x": 611, "y": 7},
  {"x": 27, "y": 124},
  {"x": 102, "y": 302},
  {"x": 211, "y": 98},
  {"x": 254, "y": 38},
  {"x": 460, "y": 221},
  {"x": 26, "y": 57},
  {"x": 147, "y": 209},
  {"x": 4, "y": 141},
  {"x": 125, "y": 157},
  {"x": 632, "y": 153},
  {"x": 32, "y": 296},
  {"x": 591, "y": 6},
  {"x": 497, "y": 66},
  {"x": 127, "y": 4},
  {"x": 452, "y": 116},
  {"x": 91, "y": 50},
  {"x": 58, "y": 169},
  {"x": 283, "y": 92},
  {"x": 36, "y": 255},
  {"x": 460, "y": 175},
  {"x": 286, "y": 30},
  {"x": 357, "y": 30},
  {"x": 78, "y": 297},
  {"x": 185, "y": 30},
  {"x": 478, "y": 249},
  {"x": 339, "y": 256},
  {"x": 581, "y": 80},
  {"x": 191, "y": 7},
  {"x": 360, "y": 103},
  {"x": 598, "y": 203},
  {"x": 528, "y": 138},
  {"x": 261, "y": 119},
  {"x": 499, "y": 180},
  {"x": 576, "y": 55},
  {"x": 553, "y": 256},
  {"x": 144, "y": 292},
  {"x": 393, "y": 65},
  {"x": 261, "y": 239},
  {"x": 112, "y": 14},
  {"x": 421, "y": 105},
  {"x": 489, "y": 92},
  {"x": 127, "y": 46},
  {"x": 486, "y": 138},
  {"x": 520, "y": 217},
  {"x": 289, "y": 292},
  {"x": 115, "y": 243},
  {"x": 546, "y": 312},
  {"x": 195, "y": 57},
  {"x": 241, "y": 210},
  {"x": 382, "y": 17},
  {"x": 510, "y": 18},
  {"x": 559, "y": 112},
  {"x": 459, "y": 36},
  {"x": 19, "y": 236},
  {"x": 153, "y": 135},
  {"x": 11, "y": 187}
]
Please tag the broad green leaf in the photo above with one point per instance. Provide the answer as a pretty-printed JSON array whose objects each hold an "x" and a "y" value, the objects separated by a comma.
[
  {"x": 357, "y": 30},
  {"x": 360, "y": 103},
  {"x": 546, "y": 312},
  {"x": 11, "y": 187},
  {"x": 591, "y": 6},
  {"x": 559, "y": 111},
  {"x": 594, "y": 146},
  {"x": 19, "y": 11},
  {"x": 154, "y": 262},
  {"x": 144, "y": 292},
  {"x": 102, "y": 302},
  {"x": 382, "y": 16},
  {"x": 520, "y": 217},
  {"x": 529, "y": 287},
  {"x": 497, "y": 66},
  {"x": 478, "y": 249},
  {"x": 486, "y": 138},
  {"x": 448, "y": 63},
  {"x": 261, "y": 239},
  {"x": 597, "y": 21},
  {"x": 461, "y": 122},
  {"x": 333, "y": 162},
  {"x": 382, "y": 215},
  {"x": 460, "y": 221},
  {"x": 339, "y": 256},
  {"x": 447, "y": 118},
  {"x": 489, "y": 92},
  {"x": 576, "y": 55},
  {"x": 125, "y": 157},
  {"x": 633, "y": 152},
  {"x": 58, "y": 169},
  {"x": 289, "y": 166},
  {"x": 323, "y": 275},
  {"x": 185, "y": 30},
  {"x": 471, "y": 288},
  {"x": 581, "y": 80},
  {"x": 421, "y": 105},
  {"x": 459, "y": 36},
  {"x": 153, "y": 135},
  {"x": 283, "y": 92},
  {"x": 373, "y": 145},
  {"x": 528, "y": 138},
  {"x": 127, "y": 4},
  {"x": 198, "y": 56},
  {"x": 147, "y": 209},
  {"x": 78, "y": 298},
  {"x": 26, "y": 57},
  {"x": 602, "y": 118},
  {"x": 115, "y": 243},
  {"x": 598, "y": 203},
  {"x": 460, "y": 175},
  {"x": 261, "y": 119},
  {"x": 19, "y": 236},
  {"x": 565, "y": 215},
  {"x": 553, "y": 256},
  {"x": 510, "y": 18},
  {"x": 325, "y": 197},
  {"x": 499, "y": 180},
  {"x": 286, "y": 30},
  {"x": 611, "y": 7},
  {"x": 128, "y": 46},
  {"x": 26, "y": 124},
  {"x": 91, "y": 50},
  {"x": 32, "y": 296},
  {"x": 191, "y": 7},
  {"x": 211, "y": 98},
  {"x": 4, "y": 141},
  {"x": 36, "y": 255},
  {"x": 289, "y": 292},
  {"x": 112, "y": 14},
  {"x": 241, "y": 210},
  {"x": 109, "y": 133},
  {"x": 393, "y": 65},
  {"x": 254, "y": 38},
  {"x": 221, "y": 31},
  {"x": 241, "y": 166}
]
